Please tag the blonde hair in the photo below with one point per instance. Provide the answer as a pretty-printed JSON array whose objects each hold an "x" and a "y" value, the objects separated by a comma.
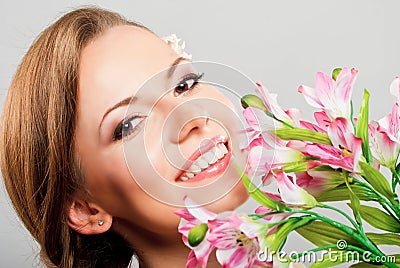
[{"x": 38, "y": 159}]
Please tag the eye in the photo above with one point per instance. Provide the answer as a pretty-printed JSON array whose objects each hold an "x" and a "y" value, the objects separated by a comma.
[
  {"x": 128, "y": 127},
  {"x": 188, "y": 82}
]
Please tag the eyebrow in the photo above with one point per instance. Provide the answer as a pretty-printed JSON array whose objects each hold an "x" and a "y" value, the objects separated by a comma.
[
  {"x": 123, "y": 102},
  {"x": 172, "y": 68},
  {"x": 131, "y": 99}
]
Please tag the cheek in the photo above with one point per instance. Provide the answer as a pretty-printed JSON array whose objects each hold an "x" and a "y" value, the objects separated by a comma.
[{"x": 114, "y": 189}]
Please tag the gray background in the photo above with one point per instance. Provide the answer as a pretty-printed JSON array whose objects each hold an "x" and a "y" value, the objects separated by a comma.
[{"x": 282, "y": 44}]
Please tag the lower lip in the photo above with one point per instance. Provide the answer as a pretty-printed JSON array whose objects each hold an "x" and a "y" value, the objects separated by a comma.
[{"x": 215, "y": 169}]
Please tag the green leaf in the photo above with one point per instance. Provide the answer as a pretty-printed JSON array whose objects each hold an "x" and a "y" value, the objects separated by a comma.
[
  {"x": 362, "y": 127},
  {"x": 259, "y": 196},
  {"x": 384, "y": 239},
  {"x": 302, "y": 134},
  {"x": 377, "y": 180},
  {"x": 321, "y": 233},
  {"x": 379, "y": 219},
  {"x": 355, "y": 202},
  {"x": 341, "y": 193},
  {"x": 342, "y": 256},
  {"x": 254, "y": 101},
  {"x": 197, "y": 234},
  {"x": 284, "y": 230}
]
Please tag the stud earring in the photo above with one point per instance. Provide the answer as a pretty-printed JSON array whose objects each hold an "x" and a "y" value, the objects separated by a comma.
[{"x": 100, "y": 222}]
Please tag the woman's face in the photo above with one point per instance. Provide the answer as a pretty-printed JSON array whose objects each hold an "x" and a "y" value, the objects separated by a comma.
[{"x": 117, "y": 141}]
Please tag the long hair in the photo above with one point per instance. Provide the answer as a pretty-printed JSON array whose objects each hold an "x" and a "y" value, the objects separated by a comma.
[{"x": 37, "y": 147}]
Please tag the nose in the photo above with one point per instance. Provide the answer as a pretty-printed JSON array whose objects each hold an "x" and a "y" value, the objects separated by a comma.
[
  {"x": 193, "y": 126},
  {"x": 185, "y": 120}
]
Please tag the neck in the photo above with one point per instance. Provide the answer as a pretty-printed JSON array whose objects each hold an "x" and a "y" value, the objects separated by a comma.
[{"x": 155, "y": 250}]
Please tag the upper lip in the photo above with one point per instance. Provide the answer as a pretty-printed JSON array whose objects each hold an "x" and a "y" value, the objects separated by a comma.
[{"x": 205, "y": 147}]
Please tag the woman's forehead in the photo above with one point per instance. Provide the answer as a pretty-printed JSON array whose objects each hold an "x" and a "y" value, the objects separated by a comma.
[{"x": 123, "y": 52}]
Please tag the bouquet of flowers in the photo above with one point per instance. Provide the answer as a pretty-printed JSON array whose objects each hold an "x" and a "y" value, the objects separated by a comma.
[{"x": 309, "y": 169}]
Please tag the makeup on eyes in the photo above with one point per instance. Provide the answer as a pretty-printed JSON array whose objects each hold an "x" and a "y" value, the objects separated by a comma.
[{"x": 188, "y": 82}]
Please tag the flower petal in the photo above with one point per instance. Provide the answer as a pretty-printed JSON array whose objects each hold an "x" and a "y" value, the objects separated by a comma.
[
  {"x": 340, "y": 132},
  {"x": 395, "y": 88},
  {"x": 310, "y": 96},
  {"x": 293, "y": 194},
  {"x": 198, "y": 212},
  {"x": 258, "y": 120}
]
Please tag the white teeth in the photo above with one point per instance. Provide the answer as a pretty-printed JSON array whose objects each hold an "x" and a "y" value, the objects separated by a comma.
[
  {"x": 202, "y": 163},
  {"x": 223, "y": 148},
  {"x": 205, "y": 160},
  {"x": 189, "y": 175},
  {"x": 214, "y": 156},
  {"x": 219, "y": 153},
  {"x": 195, "y": 169},
  {"x": 209, "y": 156}
]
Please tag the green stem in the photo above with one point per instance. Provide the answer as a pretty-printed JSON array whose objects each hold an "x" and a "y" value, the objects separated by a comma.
[
  {"x": 395, "y": 179},
  {"x": 289, "y": 219},
  {"x": 381, "y": 198},
  {"x": 355, "y": 205},
  {"x": 342, "y": 213},
  {"x": 277, "y": 119}
]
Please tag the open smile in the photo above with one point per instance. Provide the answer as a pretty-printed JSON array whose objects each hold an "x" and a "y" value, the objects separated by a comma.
[{"x": 207, "y": 161}]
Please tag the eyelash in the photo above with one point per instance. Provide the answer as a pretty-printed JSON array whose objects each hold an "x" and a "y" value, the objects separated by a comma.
[
  {"x": 186, "y": 87},
  {"x": 121, "y": 133}
]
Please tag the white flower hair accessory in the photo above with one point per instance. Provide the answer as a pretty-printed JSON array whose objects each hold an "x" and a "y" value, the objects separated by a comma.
[{"x": 173, "y": 41}]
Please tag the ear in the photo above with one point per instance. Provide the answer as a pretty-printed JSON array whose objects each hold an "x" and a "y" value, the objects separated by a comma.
[{"x": 88, "y": 218}]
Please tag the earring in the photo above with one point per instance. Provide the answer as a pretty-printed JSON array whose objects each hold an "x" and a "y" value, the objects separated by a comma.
[{"x": 100, "y": 222}]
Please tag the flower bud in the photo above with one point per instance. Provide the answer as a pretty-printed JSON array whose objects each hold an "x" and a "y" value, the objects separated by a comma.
[
  {"x": 254, "y": 101},
  {"x": 336, "y": 72},
  {"x": 197, "y": 234}
]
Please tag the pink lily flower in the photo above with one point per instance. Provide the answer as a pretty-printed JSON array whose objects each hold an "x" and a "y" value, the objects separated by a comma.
[
  {"x": 237, "y": 242},
  {"x": 329, "y": 155},
  {"x": 271, "y": 103},
  {"x": 323, "y": 120},
  {"x": 292, "y": 194},
  {"x": 384, "y": 148},
  {"x": 316, "y": 182},
  {"x": 384, "y": 135},
  {"x": 391, "y": 124},
  {"x": 332, "y": 96},
  {"x": 261, "y": 160},
  {"x": 192, "y": 216},
  {"x": 346, "y": 151},
  {"x": 260, "y": 126}
]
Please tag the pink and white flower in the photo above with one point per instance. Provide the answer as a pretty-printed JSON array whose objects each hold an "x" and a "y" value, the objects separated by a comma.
[
  {"x": 291, "y": 193},
  {"x": 271, "y": 103},
  {"x": 383, "y": 148},
  {"x": 237, "y": 241},
  {"x": 192, "y": 216},
  {"x": 260, "y": 126},
  {"x": 346, "y": 151},
  {"x": 261, "y": 160},
  {"x": 332, "y": 96},
  {"x": 384, "y": 135}
]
